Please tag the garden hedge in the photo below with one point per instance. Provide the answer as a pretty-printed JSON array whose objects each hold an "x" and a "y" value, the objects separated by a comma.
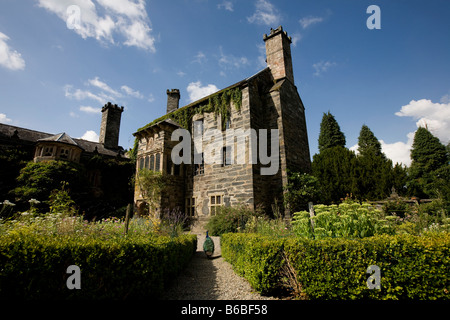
[
  {"x": 35, "y": 266},
  {"x": 412, "y": 267}
]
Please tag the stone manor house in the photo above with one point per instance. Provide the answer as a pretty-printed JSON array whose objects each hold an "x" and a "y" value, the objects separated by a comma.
[{"x": 267, "y": 100}]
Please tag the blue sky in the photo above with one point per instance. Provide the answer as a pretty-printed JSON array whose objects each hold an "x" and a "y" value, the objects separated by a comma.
[{"x": 55, "y": 78}]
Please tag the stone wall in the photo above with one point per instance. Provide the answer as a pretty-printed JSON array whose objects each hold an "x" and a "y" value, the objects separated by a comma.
[{"x": 232, "y": 182}]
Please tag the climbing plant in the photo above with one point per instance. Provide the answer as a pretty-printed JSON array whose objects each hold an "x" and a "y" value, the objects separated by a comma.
[{"x": 218, "y": 103}]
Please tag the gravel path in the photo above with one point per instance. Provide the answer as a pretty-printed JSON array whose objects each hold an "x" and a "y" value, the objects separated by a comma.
[{"x": 210, "y": 279}]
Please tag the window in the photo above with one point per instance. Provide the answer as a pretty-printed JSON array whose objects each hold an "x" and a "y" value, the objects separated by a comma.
[
  {"x": 216, "y": 201},
  {"x": 190, "y": 207},
  {"x": 152, "y": 162},
  {"x": 48, "y": 151},
  {"x": 198, "y": 128},
  {"x": 226, "y": 156},
  {"x": 157, "y": 161},
  {"x": 146, "y": 162},
  {"x": 199, "y": 168},
  {"x": 64, "y": 154},
  {"x": 227, "y": 124},
  {"x": 141, "y": 163}
]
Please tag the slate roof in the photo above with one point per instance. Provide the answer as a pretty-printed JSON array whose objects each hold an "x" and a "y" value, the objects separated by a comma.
[
  {"x": 14, "y": 135},
  {"x": 60, "y": 137}
]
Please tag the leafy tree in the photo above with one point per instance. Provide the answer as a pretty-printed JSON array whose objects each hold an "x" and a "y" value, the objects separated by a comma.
[
  {"x": 301, "y": 189},
  {"x": 330, "y": 133},
  {"x": 429, "y": 170},
  {"x": 38, "y": 180},
  {"x": 399, "y": 179}
]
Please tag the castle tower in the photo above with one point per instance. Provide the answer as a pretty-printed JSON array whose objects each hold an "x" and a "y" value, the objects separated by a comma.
[
  {"x": 278, "y": 54},
  {"x": 110, "y": 126},
  {"x": 173, "y": 99}
]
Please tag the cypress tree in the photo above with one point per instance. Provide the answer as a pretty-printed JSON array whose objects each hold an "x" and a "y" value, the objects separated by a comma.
[
  {"x": 429, "y": 170},
  {"x": 334, "y": 168},
  {"x": 330, "y": 133},
  {"x": 333, "y": 165},
  {"x": 373, "y": 169},
  {"x": 368, "y": 143}
]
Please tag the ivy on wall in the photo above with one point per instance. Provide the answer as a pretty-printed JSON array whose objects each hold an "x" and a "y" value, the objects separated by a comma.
[{"x": 219, "y": 104}]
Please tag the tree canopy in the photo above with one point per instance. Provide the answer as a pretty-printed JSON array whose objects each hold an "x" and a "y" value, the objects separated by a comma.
[{"x": 330, "y": 133}]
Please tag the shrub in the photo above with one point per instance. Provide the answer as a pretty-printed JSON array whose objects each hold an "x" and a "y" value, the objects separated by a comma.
[
  {"x": 348, "y": 220},
  {"x": 229, "y": 219},
  {"x": 35, "y": 256},
  {"x": 411, "y": 267},
  {"x": 37, "y": 180},
  {"x": 257, "y": 258}
]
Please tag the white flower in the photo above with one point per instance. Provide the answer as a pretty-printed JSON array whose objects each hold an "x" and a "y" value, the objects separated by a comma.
[
  {"x": 25, "y": 213},
  {"x": 8, "y": 203},
  {"x": 34, "y": 201}
]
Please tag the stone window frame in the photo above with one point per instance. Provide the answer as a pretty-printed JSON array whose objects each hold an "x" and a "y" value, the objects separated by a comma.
[
  {"x": 191, "y": 206},
  {"x": 152, "y": 162},
  {"x": 215, "y": 201},
  {"x": 199, "y": 168},
  {"x": 227, "y": 153},
  {"x": 157, "y": 162},
  {"x": 47, "y": 151}
]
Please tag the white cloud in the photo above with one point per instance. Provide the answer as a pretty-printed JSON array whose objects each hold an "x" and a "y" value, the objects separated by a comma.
[
  {"x": 196, "y": 91},
  {"x": 398, "y": 152},
  {"x": 9, "y": 58},
  {"x": 79, "y": 94},
  {"x": 261, "y": 59},
  {"x": 296, "y": 37},
  {"x": 200, "y": 57},
  {"x": 435, "y": 116},
  {"x": 228, "y": 60},
  {"x": 265, "y": 13},
  {"x": 445, "y": 99},
  {"x": 103, "y": 86},
  {"x": 322, "y": 67},
  {"x": 90, "y": 135},
  {"x": 227, "y": 5},
  {"x": 106, "y": 93},
  {"x": 151, "y": 98},
  {"x": 309, "y": 21},
  {"x": 126, "y": 18},
  {"x": 4, "y": 118},
  {"x": 91, "y": 110},
  {"x": 129, "y": 91}
]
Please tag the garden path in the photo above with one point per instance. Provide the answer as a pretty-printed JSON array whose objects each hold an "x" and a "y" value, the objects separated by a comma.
[{"x": 210, "y": 279}]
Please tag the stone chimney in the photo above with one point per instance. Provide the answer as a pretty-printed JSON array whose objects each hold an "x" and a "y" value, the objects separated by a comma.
[
  {"x": 110, "y": 126},
  {"x": 278, "y": 54},
  {"x": 173, "y": 99}
]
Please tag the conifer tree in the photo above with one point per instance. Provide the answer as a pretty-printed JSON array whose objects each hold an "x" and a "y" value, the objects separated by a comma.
[
  {"x": 334, "y": 168},
  {"x": 334, "y": 164},
  {"x": 368, "y": 143},
  {"x": 330, "y": 133},
  {"x": 373, "y": 169},
  {"x": 429, "y": 170}
]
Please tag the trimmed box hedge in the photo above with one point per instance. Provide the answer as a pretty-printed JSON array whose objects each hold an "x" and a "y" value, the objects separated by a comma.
[
  {"x": 412, "y": 267},
  {"x": 35, "y": 266}
]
